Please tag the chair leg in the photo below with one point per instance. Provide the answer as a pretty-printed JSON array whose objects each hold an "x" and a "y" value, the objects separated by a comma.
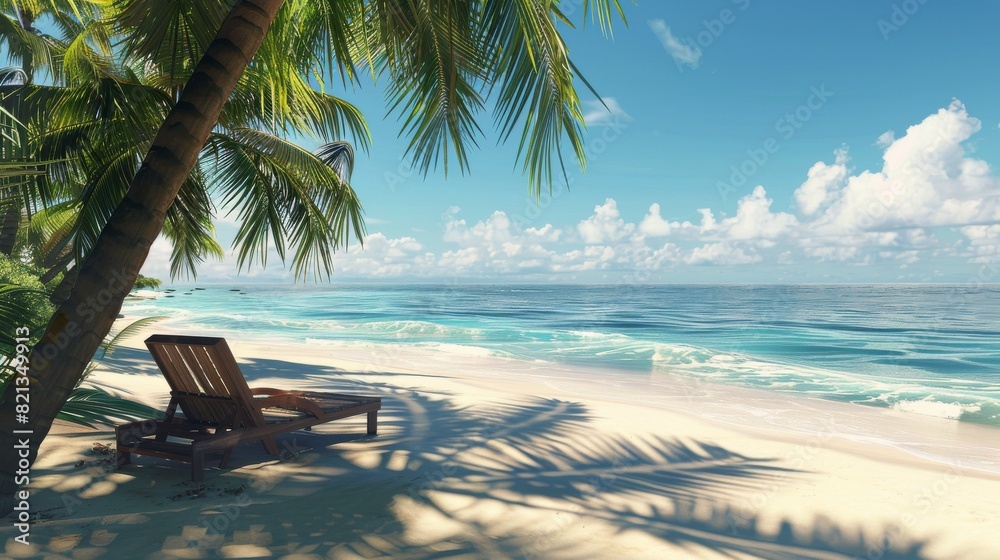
[
  {"x": 372, "y": 423},
  {"x": 225, "y": 457},
  {"x": 123, "y": 457},
  {"x": 270, "y": 446}
]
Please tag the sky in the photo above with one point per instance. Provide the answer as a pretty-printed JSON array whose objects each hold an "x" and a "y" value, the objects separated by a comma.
[{"x": 742, "y": 141}]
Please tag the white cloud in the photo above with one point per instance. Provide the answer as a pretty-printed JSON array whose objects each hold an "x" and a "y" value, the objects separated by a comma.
[
  {"x": 461, "y": 260},
  {"x": 822, "y": 182},
  {"x": 157, "y": 263},
  {"x": 926, "y": 181},
  {"x": 680, "y": 51},
  {"x": 496, "y": 229},
  {"x": 605, "y": 225},
  {"x": 589, "y": 258},
  {"x": 984, "y": 243},
  {"x": 707, "y": 220},
  {"x": 886, "y": 139},
  {"x": 609, "y": 112},
  {"x": 653, "y": 225},
  {"x": 667, "y": 255},
  {"x": 823, "y": 254},
  {"x": 723, "y": 253},
  {"x": 754, "y": 219},
  {"x": 383, "y": 256}
]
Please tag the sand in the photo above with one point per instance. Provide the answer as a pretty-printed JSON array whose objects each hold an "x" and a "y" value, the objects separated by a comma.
[{"x": 482, "y": 457}]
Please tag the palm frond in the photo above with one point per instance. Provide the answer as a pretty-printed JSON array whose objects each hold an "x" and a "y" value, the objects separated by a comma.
[
  {"x": 12, "y": 315},
  {"x": 283, "y": 195},
  {"x": 109, "y": 345},
  {"x": 276, "y": 92},
  {"x": 170, "y": 36},
  {"x": 87, "y": 55},
  {"x": 274, "y": 96},
  {"x": 602, "y": 12},
  {"x": 429, "y": 50},
  {"x": 327, "y": 37},
  {"x": 340, "y": 157},
  {"x": 49, "y": 231},
  {"x": 189, "y": 227},
  {"x": 27, "y": 48},
  {"x": 90, "y": 406},
  {"x": 535, "y": 87}
]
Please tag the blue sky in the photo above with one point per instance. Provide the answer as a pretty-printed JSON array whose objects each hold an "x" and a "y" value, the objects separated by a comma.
[{"x": 748, "y": 141}]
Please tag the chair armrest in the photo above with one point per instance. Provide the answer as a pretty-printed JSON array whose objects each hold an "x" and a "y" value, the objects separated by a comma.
[
  {"x": 290, "y": 402},
  {"x": 266, "y": 391}
]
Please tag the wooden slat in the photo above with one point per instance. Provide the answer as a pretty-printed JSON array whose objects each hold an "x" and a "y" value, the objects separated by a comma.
[
  {"x": 177, "y": 373},
  {"x": 211, "y": 370},
  {"x": 230, "y": 371},
  {"x": 198, "y": 371},
  {"x": 172, "y": 371},
  {"x": 183, "y": 380}
]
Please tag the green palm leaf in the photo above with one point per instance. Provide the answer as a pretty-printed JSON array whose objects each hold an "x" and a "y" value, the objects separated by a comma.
[
  {"x": 109, "y": 346},
  {"x": 430, "y": 51},
  {"x": 339, "y": 156},
  {"x": 189, "y": 227},
  {"x": 171, "y": 36},
  {"x": 283, "y": 195},
  {"x": 89, "y": 406}
]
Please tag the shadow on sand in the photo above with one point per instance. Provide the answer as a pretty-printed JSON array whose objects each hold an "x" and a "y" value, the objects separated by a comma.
[{"x": 530, "y": 479}]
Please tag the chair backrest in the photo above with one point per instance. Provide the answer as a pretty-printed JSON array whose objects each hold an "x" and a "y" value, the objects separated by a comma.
[{"x": 199, "y": 365}]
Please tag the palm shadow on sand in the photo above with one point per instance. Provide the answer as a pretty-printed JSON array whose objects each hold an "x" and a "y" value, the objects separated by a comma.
[{"x": 439, "y": 459}]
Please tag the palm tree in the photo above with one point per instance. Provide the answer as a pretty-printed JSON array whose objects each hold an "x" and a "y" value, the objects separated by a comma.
[
  {"x": 443, "y": 58},
  {"x": 99, "y": 121}
]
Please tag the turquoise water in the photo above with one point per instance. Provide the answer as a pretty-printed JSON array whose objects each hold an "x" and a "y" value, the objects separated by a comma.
[{"x": 933, "y": 350}]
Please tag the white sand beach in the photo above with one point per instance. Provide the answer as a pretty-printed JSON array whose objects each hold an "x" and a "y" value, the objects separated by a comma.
[{"x": 478, "y": 457}]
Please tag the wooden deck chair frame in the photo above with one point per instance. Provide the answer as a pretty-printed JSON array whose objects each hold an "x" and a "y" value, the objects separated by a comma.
[{"x": 220, "y": 411}]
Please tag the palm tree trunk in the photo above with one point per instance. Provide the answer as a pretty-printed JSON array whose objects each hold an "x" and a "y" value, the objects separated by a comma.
[{"x": 106, "y": 276}]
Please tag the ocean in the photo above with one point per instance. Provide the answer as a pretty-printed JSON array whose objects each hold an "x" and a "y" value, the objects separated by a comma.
[{"x": 931, "y": 350}]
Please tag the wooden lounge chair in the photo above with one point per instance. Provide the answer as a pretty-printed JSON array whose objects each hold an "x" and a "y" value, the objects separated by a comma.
[{"x": 220, "y": 410}]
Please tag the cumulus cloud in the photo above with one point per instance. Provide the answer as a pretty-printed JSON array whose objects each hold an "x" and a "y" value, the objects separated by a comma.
[
  {"x": 823, "y": 181},
  {"x": 754, "y": 219},
  {"x": 653, "y": 225},
  {"x": 495, "y": 230},
  {"x": 605, "y": 225},
  {"x": 926, "y": 180},
  {"x": 384, "y": 256},
  {"x": 157, "y": 263},
  {"x": 984, "y": 243},
  {"x": 682, "y": 52},
  {"x": 823, "y": 254}
]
